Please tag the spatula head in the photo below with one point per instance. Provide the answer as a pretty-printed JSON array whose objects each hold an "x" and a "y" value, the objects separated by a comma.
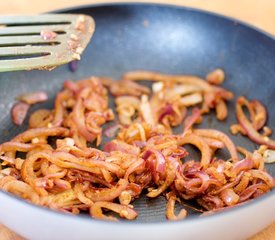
[{"x": 43, "y": 41}]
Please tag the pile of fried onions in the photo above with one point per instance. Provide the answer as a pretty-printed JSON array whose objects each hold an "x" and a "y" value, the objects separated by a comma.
[{"x": 52, "y": 164}]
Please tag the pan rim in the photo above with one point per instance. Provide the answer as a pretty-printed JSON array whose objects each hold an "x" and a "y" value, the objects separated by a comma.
[
  {"x": 167, "y": 5},
  {"x": 190, "y": 219}
]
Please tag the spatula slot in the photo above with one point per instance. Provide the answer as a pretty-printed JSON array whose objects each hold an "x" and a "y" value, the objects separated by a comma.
[
  {"x": 30, "y": 44},
  {"x": 28, "y": 34},
  {"x": 34, "y": 24},
  {"x": 23, "y": 56},
  {"x": 34, "y": 29}
]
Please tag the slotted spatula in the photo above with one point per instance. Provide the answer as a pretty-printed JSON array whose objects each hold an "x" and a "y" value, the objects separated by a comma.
[{"x": 43, "y": 41}]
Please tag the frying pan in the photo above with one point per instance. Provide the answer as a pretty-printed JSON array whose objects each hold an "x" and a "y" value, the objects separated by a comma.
[{"x": 172, "y": 40}]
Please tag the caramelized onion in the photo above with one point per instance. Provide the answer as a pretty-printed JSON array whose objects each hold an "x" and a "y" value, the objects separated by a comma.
[
  {"x": 79, "y": 119},
  {"x": 24, "y": 190},
  {"x": 229, "y": 197},
  {"x": 221, "y": 110},
  {"x": 123, "y": 211},
  {"x": 215, "y": 77},
  {"x": 191, "y": 120},
  {"x": 153, "y": 76},
  {"x": 242, "y": 165},
  {"x": 33, "y": 98},
  {"x": 108, "y": 194},
  {"x": 170, "y": 176},
  {"x": 221, "y": 137},
  {"x": 52, "y": 163},
  {"x": 170, "y": 210},
  {"x": 117, "y": 145},
  {"x": 251, "y": 132},
  {"x": 40, "y": 118},
  {"x": 19, "y": 112},
  {"x": 201, "y": 144},
  {"x": 120, "y": 88},
  {"x": 40, "y": 132},
  {"x": 16, "y": 146},
  {"x": 110, "y": 132}
]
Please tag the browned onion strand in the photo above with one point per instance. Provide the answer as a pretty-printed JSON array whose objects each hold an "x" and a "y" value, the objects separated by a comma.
[
  {"x": 19, "y": 112},
  {"x": 20, "y": 109},
  {"x": 252, "y": 131},
  {"x": 144, "y": 156},
  {"x": 33, "y": 98}
]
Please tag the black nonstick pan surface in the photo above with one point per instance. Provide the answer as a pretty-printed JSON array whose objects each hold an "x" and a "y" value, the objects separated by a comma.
[{"x": 169, "y": 40}]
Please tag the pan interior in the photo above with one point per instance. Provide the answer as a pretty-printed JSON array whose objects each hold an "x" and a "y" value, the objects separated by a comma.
[{"x": 165, "y": 39}]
